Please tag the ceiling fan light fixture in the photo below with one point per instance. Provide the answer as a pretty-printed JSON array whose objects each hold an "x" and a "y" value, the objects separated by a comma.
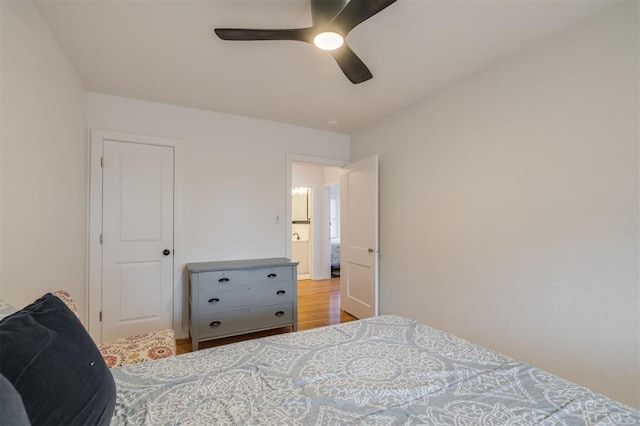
[
  {"x": 342, "y": 16},
  {"x": 328, "y": 40}
]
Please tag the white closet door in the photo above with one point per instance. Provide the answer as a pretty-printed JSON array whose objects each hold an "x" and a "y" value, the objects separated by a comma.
[{"x": 137, "y": 274}]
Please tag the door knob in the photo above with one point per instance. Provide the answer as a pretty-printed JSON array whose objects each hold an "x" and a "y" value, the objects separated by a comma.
[
  {"x": 166, "y": 252},
  {"x": 370, "y": 250}
]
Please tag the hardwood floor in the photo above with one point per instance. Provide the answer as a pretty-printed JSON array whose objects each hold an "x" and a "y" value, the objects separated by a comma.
[{"x": 318, "y": 305}]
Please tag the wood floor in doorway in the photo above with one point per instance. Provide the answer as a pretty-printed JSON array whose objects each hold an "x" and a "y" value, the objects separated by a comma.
[{"x": 318, "y": 305}]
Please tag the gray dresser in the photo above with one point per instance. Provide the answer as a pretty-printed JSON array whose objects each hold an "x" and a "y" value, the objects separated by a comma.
[{"x": 241, "y": 296}]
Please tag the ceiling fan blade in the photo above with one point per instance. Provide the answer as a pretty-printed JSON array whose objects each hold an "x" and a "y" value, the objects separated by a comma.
[
  {"x": 357, "y": 11},
  {"x": 323, "y": 11},
  {"x": 241, "y": 34},
  {"x": 352, "y": 66}
]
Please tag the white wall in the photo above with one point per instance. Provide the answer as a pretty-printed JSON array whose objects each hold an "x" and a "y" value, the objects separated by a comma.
[
  {"x": 234, "y": 173},
  {"x": 1, "y": 133},
  {"x": 509, "y": 206},
  {"x": 43, "y": 164}
]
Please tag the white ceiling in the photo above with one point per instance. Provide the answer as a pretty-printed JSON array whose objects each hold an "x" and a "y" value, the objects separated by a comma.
[{"x": 165, "y": 51}]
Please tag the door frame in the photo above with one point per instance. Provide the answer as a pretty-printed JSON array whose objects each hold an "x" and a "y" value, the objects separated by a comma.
[{"x": 94, "y": 255}]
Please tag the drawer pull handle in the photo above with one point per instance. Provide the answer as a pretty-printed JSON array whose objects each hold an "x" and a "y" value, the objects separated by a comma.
[
  {"x": 214, "y": 300},
  {"x": 223, "y": 280},
  {"x": 215, "y": 324},
  {"x": 280, "y": 313},
  {"x": 280, "y": 292},
  {"x": 272, "y": 275}
]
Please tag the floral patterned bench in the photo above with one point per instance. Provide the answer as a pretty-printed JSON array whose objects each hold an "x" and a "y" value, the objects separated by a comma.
[
  {"x": 132, "y": 349},
  {"x": 139, "y": 348},
  {"x": 124, "y": 351}
]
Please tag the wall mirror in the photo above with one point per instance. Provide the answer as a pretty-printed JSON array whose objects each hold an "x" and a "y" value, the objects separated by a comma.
[{"x": 300, "y": 204}]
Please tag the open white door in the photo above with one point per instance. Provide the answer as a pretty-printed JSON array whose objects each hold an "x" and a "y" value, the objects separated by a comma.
[
  {"x": 137, "y": 251},
  {"x": 359, "y": 238}
]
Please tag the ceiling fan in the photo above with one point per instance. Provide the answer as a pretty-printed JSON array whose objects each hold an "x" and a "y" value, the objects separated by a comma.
[{"x": 332, "y": 21}]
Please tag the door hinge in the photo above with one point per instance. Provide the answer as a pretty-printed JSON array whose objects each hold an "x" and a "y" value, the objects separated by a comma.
[
  {"x": 101, "y": 161},
  {"x": 100, "y": 238},
  {"x": 100, "y": 316}
]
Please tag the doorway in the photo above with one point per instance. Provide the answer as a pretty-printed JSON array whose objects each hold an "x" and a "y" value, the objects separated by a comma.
[
  {"x": 333, "y": 196},
  {"x": 312, "y": 242},
  {"x": 358, "y": 229}
]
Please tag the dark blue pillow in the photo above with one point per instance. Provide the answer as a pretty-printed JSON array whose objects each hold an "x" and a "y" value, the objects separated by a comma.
[
  {"x": 50, "y": 359},
  {"x": 11, "y": 405}
]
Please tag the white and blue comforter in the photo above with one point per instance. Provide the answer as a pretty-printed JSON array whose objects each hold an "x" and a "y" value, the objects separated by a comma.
[{"x": 385, "y": 370}]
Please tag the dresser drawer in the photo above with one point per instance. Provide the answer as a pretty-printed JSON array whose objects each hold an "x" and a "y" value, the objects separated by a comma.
[
  {"x": 234, "y": 321},
  {"x": 271, "y": 292},
  {"x": 220, "y": 297},
  {"x": 218, "y": 278},
  {"x": 278, "y": 273}
]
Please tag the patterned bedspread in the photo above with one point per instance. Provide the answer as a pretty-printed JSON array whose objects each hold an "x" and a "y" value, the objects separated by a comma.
[{"x": 380, "y": 371}]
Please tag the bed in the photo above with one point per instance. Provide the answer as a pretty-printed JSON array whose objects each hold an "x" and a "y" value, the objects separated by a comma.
[
  {"x": 380, "y": 371},
  {"x": 335, "y": 259}
]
